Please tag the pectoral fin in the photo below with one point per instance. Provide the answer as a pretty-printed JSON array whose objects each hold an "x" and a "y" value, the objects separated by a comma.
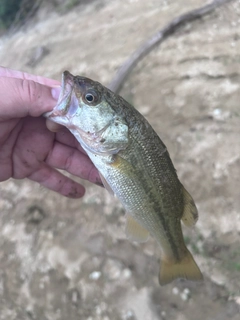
[
  {"x": 106, "y": 185},
  {"x": 135, "y": 231},
  {"x": 190, "y": 213}
]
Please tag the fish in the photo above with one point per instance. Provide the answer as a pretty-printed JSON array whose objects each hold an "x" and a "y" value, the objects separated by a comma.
[{"x": 135, "y": 166}]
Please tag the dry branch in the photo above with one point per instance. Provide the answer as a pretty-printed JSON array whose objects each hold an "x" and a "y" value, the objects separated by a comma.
[{"x": 124, "y": 71}]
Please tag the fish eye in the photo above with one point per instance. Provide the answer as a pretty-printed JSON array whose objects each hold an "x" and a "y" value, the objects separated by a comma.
[{"x": 91, "y": 97}]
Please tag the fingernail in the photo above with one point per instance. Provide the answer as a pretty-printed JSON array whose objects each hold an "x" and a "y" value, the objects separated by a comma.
[{"x": 56, "y": 92}]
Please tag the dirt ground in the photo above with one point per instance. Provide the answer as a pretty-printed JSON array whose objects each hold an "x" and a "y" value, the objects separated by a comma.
[{"x": 69, "y": 259}]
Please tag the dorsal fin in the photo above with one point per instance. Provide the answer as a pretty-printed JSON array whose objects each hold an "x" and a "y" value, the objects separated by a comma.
[
  {"x": 190, "y": 213},
  {"x": 134, "y": 231}
]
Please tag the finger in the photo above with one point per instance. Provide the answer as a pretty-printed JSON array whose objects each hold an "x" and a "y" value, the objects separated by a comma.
[
  {"x": 20, "y": 98},
  {"x": 56, "y": 181},
  {"x": 53, "y": 126},
  {"x": 5, "y": 72},
  {"x": 64, "y": 136},
  {"x": 73, "y": 161}
]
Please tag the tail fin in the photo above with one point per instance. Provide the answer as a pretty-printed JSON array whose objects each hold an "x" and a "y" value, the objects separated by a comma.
[{"x": 186, "y": 269}]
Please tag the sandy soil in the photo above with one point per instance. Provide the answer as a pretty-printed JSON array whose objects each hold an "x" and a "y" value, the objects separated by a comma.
[{"x": 62, "y": 258}]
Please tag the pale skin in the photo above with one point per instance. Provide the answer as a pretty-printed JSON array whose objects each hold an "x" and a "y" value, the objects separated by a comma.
[{"x": 28, "y": 149}]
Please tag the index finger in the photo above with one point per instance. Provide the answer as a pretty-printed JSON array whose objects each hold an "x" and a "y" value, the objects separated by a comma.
[{"x": 5, "y": 72}]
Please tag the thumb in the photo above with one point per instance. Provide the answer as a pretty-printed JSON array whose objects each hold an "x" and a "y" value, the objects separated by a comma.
[{"x": 21, "y": 97}]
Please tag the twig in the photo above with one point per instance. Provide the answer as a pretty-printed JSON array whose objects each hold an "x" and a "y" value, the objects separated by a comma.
[{"x": 124, "y": 71}]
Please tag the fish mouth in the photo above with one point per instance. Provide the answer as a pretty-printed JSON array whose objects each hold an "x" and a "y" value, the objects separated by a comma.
[
  {"x": 65, "y": 94},
  {"x": 67, "y": 113},
  {"x": 66, "y": 109},
  {"x": 67, "y": 103}
]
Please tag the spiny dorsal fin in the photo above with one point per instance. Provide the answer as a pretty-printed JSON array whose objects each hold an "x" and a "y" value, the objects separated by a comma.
[
  {"x": 190, "y": 213},
  {"x": 134, "y": 231}
]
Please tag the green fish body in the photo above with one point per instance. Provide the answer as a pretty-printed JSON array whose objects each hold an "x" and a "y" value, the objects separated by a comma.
[{"x": 135, "y": 165}]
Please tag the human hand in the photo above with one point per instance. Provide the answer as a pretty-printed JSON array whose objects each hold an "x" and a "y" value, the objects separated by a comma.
[{"x": 27, "y": 148}]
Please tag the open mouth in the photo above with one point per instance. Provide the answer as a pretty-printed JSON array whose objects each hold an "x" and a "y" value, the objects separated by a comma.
[
  {"x": 67, "y": 102},
  {"x": 64, "y": 100}
]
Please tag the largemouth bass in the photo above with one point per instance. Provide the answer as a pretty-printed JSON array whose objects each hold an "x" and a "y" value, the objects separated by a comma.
[{"x": 134, "y": 164}]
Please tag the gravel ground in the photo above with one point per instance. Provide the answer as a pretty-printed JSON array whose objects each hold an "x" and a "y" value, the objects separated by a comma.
[{"x": 62, "y": 258}]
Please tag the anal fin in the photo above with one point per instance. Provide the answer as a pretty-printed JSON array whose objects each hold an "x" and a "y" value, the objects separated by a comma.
[{"x": 134, "y": 231}]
